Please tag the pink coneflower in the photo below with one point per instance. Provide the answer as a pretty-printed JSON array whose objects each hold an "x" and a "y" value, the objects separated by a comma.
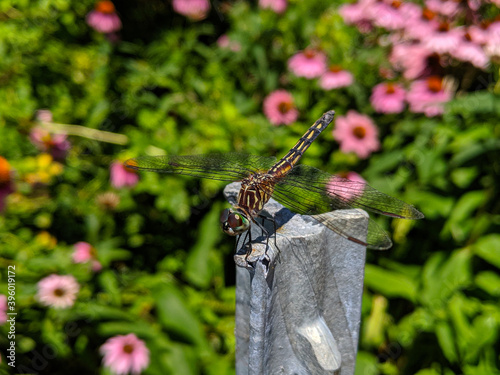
[
  {"x": 445, "y": 7},
  {"x": 394, "y": 15},
  {"x": 356, "y": 132},
  {"x": 125, "y": 354},
  {"x": 335, "y": 78},
  {"x": 58, "y": 291},
  {"x": 492, "y": 45},
  {"x": 359, "y": 14},
  {"x": 103, "y": 18},
  {"x": 55, "y": 144},
  {"x": 278, "y": 6},
  {"x": 309, "y": 64},
  {"x": 471, "y": 52},
  {"x": 85, "y": 252},
  {"x": 346, "y": 185},
  {"x": 388, "y": 97},
  {"x": 443, "y": 40},
  {"x": 412, "y": 59},
  {"x": 428, "y": 96},
  {"x": 421, "y": 25},
  {"x": 3, "y": 308},
  {"x": 479, "y": 33},
  {"x": 6, "y": 184},
  {"x": 122, "y": 176},
  {"x": 195, "y": 10},
  {"x": 226, "y": 43},
  {"x": 279, "y": 108}
]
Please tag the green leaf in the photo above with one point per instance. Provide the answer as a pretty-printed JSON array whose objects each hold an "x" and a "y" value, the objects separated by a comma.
[
  {"x": 489, "y": 281},
  {"x": 488, "y": 248},
  {"x": 366, "y": 364},
  {"x": 199, "y": 268},
  {"x": 390, "y": 283},
  {"x": 446, "y": 340},
  {"x": 176, "y": 317},
  {"x": 109, "y": 283}
]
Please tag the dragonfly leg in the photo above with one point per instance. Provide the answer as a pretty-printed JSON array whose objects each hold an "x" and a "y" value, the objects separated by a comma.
[{"x": 264, "y": 218}]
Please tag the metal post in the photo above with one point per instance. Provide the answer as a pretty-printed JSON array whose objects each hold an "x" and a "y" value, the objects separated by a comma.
[{"x": 298, "y": 308}]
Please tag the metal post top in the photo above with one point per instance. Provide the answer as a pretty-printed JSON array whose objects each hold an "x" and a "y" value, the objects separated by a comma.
[{"x": 298, "y": 309}]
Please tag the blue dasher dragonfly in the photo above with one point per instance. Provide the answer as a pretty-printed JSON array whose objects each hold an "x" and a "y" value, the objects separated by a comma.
[{"x": 301, "y": 188}]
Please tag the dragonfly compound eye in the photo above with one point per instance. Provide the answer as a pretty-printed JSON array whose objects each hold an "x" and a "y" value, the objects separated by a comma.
[{"x": 233, "y": 223}]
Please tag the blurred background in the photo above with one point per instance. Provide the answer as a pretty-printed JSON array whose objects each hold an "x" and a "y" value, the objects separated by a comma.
[{"x": 114, "y": 272}]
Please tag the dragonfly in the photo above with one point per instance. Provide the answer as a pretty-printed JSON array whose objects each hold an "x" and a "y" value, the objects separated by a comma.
[{"x": 301, "y": 188}]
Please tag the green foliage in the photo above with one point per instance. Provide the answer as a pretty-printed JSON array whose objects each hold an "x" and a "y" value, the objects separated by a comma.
[{"x": 166, "y": 87}]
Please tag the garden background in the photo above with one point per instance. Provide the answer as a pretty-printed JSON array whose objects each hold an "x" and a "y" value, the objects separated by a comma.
[{"x": 111, "y": 263}]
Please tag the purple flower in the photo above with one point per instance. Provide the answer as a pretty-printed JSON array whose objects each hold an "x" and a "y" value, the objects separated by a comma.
[{"x": 55, "y": 144}]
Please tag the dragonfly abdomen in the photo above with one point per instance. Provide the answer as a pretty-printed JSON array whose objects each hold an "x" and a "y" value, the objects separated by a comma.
[{"x": 286, "y": 163}]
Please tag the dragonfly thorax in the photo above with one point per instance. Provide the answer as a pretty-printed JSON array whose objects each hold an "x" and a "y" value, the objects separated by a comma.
[
  {"x": 255, "y": 192},
  {"x": 234, "y": 222}
]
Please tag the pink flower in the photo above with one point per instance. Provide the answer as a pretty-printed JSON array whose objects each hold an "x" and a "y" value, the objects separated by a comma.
[
  {"x": 279, "y": 108},
  {"x": 278, "y": 6},
  {"x": 394, "y": 15},
  {"x": 309, "y": 64},
  {"x": 443, "y": 40},
  {"x": 356, "y": 132},
  {"x": 122, "y": 176},
  {"x": 346, "y": 186},
  {"x": 226, "y": 43},
  {"x": 3, "y": 308},
  {"x": 85, "y": 252},
  {"x": 335, "y": 78},
  {"x": 195, "y": 10},
  {"x": 428, "y": 96},
  {"x": 124, "y": 354},
  {"x": 58, "y": 291},
  {"x": 492, "y": 45},
  {"x": 359, "y": 14},
  {"x": 480, "y": 34},
  {"x": 472, "y": 53},
  {"x": 388, "y": 98},
  {"x": 55, "y": 144},
  {"x": 6, "y": 184},
  {"x": 411, "y": 59},
  {"x": 444, "y": 7},
  {"x": 103, "y": 18},
  {"x": 44, "y": 115},
  {"x": 421, "y": 25}
]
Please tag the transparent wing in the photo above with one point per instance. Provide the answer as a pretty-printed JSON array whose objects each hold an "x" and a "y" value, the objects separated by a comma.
[
  {"x": 223, "y": 167},
  {"x": 309, "y": 191}
]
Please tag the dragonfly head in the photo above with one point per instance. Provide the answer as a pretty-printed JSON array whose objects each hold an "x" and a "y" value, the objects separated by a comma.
[{"x": 234, "y": 222}]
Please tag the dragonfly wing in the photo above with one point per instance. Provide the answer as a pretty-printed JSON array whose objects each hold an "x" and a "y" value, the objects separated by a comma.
[
  {"x": 223, "y": 167},
  {"x": 309, "y": 191},
  {"x": 376, "y": 238}
]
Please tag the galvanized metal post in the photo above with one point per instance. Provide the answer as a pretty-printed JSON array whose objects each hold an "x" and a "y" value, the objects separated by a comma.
[{"x": 298, "y": 308}]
